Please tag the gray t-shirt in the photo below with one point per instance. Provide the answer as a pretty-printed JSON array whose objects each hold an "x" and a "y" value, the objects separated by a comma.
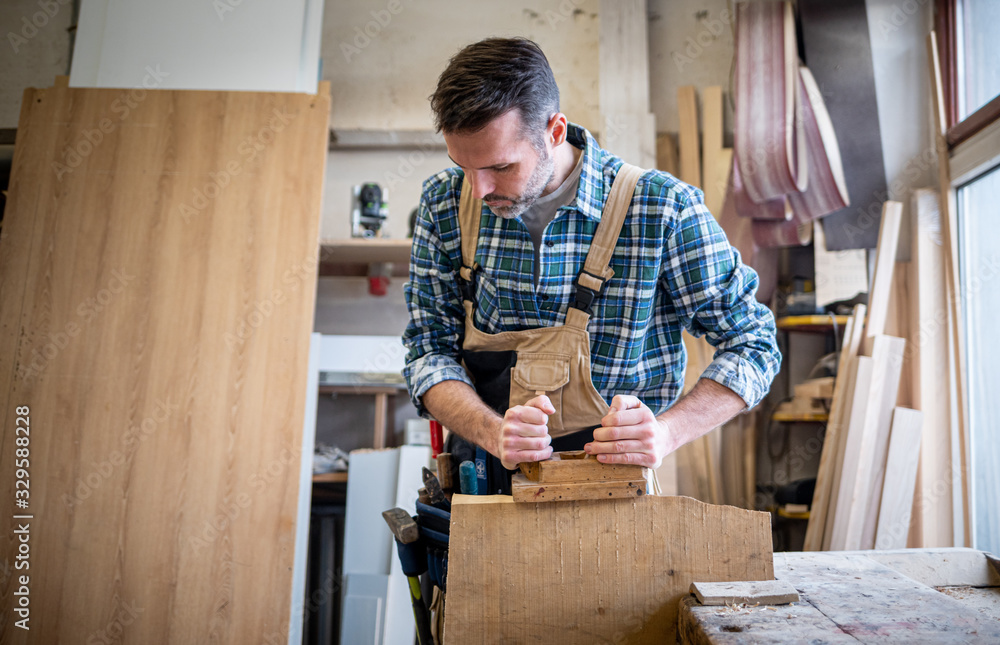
[{"x": 544, "y": 210}]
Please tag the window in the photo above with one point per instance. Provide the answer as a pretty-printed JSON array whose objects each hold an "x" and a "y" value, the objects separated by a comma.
[{"x": 978, "y": 50}]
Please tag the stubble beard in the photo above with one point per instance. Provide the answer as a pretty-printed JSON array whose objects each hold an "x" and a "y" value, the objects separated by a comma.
[{"x": 540, "y": 178}]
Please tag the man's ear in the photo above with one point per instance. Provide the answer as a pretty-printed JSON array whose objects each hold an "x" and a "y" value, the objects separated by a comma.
[{"x": 557, "y": 129}]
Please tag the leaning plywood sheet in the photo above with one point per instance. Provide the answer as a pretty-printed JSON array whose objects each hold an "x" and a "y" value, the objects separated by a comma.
[
  {"x": 591, "y": 571},
  {"x": 157, "y": 279}
]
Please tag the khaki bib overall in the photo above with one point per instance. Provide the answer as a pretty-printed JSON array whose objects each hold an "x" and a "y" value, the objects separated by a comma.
[{"x": 510, "y": 368}]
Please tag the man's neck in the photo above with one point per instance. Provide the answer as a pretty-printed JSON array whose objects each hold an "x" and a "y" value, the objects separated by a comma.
[{"x": 565, "y": 157}]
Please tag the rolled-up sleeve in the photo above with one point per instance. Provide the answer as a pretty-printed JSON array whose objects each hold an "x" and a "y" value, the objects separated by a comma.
[
  {"x": 714, "y": 295},
  {"x": 433, "y": 336}
]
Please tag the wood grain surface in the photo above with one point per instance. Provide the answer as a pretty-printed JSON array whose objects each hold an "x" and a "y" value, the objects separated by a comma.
[
  {"x": 157, "y": 281},
  {"x": 596, "y": 572}
]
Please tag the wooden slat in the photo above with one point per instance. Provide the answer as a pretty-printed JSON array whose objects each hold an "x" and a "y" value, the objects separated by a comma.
[
  {"x": 766, "y": 592},
  {"x": 932, "y": 524},
  {"x": 956, "y": 335},
  {"x": 687, "y": 136},
  {"x": 168, "y": 425},
  {"x": 849, "y": 451},
  {"x": 863, "y": 436},
  {"x": 834, "y": 432},
  {"x": 595, "y": 570},
  {"x": 714, "y": 174},
  {"x": 880, "y": 294},
  {"x": 896, "y": 502},
  {"x": 666, "y": 152}
]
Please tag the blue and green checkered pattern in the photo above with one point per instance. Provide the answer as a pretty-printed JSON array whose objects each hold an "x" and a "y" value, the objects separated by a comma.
[{"x": 674, "y": 270}]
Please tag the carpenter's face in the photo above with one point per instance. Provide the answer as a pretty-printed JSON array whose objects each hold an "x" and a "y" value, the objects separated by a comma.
[{"x": 506, "y": 171}]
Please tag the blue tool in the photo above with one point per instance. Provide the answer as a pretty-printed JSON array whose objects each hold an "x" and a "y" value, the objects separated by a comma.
[{"x": 468, "y": 482}]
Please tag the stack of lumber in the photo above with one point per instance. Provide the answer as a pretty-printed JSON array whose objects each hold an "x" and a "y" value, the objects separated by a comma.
[
  {"x": 811, "y": 400},
  {"x": 868, "y": 468}
]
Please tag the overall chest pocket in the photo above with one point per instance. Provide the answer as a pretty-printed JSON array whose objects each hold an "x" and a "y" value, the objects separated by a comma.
[{"x": 540, "y": 372}]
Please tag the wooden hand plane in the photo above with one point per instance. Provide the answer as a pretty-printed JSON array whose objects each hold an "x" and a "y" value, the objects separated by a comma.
[{"x": 574, "y": 475}]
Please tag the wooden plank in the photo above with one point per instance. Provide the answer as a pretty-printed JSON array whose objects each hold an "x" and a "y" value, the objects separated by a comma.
[
  {"x": 666, "y": 152},
  {"x": 932, "y": 518},
  {"x": 168, "y": 425},
  {"x": 893, "y": 524},
  {"x": 596, "y": 570},
  {"x": 577, "y": 466},
  {"x": 714, "y": 174},
  {"x": 796, "y": 623},
  {"x": 834, "y": 432},
  {"x": 849, "y": 451},
  {"x": 525, "y": 490},
  {"x": 878, "y": 425},
  {"x": 687, "y": 135},
  {"x": 381, "y": 420},
  {"x": 698, "y": 474},
  {"x": 894, "y": 609},
  {"x": 766, "y": 592},
  {"x": 864, "y": 435},
  {"x": 956, "y": 335},
  {"x": 880, "y": 294}
]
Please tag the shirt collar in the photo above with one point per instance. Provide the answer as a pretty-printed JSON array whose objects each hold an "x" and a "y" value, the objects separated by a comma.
[{"x": 590, "y": 193}]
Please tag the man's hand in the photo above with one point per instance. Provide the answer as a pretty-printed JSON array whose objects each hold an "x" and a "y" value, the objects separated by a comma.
[
  {"x": 524, "y": 435},
  {"x": 631, "y": 434}
]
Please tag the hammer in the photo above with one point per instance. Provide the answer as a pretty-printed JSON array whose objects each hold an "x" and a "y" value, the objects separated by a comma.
[{"x": 413, "y": 560}]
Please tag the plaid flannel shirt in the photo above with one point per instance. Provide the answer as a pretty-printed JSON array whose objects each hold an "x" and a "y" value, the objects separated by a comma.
[{"x": 674, "y": 269}]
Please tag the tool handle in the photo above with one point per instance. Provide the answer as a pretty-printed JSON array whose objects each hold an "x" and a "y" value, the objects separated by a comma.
[{"x": 437, "y": 439}]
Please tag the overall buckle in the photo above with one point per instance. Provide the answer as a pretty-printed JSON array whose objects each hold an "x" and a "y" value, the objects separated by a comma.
[{"x": 583, "y": 297}]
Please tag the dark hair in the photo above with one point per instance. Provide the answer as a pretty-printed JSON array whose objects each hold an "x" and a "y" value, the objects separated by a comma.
[{"x": 488, "y": 79}]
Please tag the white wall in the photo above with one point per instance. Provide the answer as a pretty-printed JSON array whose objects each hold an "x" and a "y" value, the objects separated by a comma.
[{"x": 35, "y": 50}]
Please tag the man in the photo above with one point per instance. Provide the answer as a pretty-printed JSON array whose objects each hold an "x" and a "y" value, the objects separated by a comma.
[{"x": 518, "y": 340}]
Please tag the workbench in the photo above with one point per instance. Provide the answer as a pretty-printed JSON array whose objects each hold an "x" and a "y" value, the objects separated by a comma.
[{"x": 905, "y": 596}]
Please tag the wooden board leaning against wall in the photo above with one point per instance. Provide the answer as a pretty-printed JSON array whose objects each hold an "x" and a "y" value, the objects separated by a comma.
[{"x": 157, "y": 280}]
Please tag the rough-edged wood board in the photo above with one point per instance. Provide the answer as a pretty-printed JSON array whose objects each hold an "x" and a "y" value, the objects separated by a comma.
[
  {"x": 837, "y": 45},
  {"x": 764, "y": 592},
  {"x": 792, "y": 624},
  {"x": 932, "y": 521},
  {"x": 592, "y": 571},
  {"x": 175, "y": 263},
  {"x": 687, "y": 135},
  {"x": 848, "y": 452},
  {"x": 525, "y": 490},
  {"x": 900, "y": 478},
  {"x": 948, "y": 567},
  {"x": 875, "y": 604},
  {"x": 835, "y": 430}
]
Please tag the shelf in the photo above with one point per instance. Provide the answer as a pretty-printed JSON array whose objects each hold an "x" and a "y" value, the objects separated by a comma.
[
  {"x": 368, "y": 140},
  {"x": 813, "y": 324},
  {"x": 352, "y": 256},
  {"x": 801, "y": 418},
  {"x": 330, "y": 478}
]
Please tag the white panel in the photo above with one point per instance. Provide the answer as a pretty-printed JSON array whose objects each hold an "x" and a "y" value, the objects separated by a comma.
[
  {"x": 364, "y": 354},
  {"x": 305, "y": 494},
  {"x": 223, "y": 45},
  {"x": 371, "y": 489},
  {"x": 399, "y": 625},
  {"x": 362, "y": 617}
]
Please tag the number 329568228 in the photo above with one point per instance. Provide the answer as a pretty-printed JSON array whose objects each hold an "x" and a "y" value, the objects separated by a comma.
[{"x": 22, "y": 441}]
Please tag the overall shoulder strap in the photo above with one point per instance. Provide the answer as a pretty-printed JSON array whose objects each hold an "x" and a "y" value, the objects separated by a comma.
[
  {"x": 470, "y": 211},
  {"x": 596, "y": 271}
]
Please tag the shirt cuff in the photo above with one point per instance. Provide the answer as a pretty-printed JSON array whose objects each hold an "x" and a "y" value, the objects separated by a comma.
[
  {"x": 427, "y": 371},
  {"x": 740, "y": 375}
]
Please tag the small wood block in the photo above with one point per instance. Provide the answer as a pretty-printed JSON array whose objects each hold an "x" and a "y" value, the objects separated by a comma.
[
  {"x": 764, "y": 592},
  {"x": 575, "y": 466},
  {"x": 525, "y": 490}
]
